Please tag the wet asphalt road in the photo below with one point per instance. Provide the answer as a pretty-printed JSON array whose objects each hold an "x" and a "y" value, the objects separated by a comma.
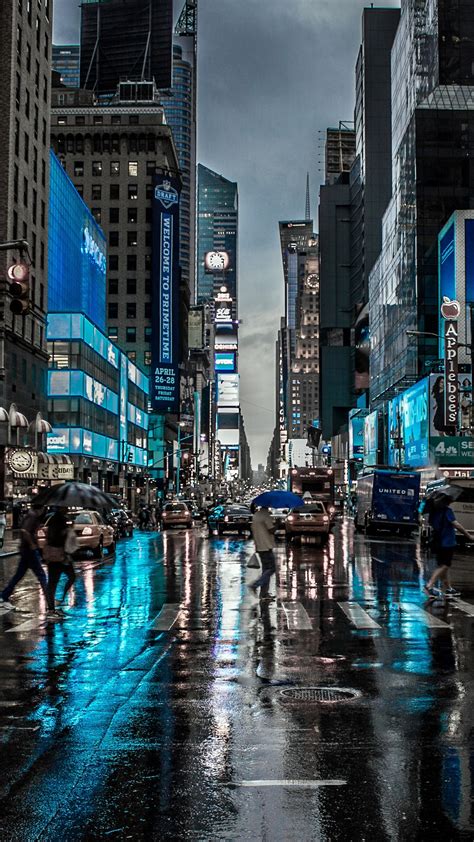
[{"x": 157, "y": 710}]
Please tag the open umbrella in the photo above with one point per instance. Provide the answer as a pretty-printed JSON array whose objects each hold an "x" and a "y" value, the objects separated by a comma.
[
  {"x": 77, "y": 495},
  {"x": 278, "y": 499}
]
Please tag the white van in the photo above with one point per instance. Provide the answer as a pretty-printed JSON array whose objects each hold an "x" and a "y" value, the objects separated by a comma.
[{"x": 463, "y": 507}]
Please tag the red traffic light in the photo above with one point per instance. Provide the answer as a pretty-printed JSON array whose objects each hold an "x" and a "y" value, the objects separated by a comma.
[{"x": 19, "y": 277}]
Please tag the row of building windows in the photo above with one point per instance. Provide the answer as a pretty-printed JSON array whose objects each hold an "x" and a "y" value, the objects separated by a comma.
[
  {"x": 130, "y": 331},
  {"x": 132, "y": 262},
  {"x": 130, "y": 308},
  {"x": 97, "y": 168},
  {"x": 114, "y": 237},
  {"x": 98, "y": 119},
  {"x": 105, "y": 143},
  {"x": 131, "y": 286}
]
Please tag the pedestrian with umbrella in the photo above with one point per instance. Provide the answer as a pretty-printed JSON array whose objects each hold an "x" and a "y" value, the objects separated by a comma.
[
  {"x": 443, "y": 542},
  {"x": 263, "y": 529},
  {"x": 57, "y": 557},
  {"x": 77, "y": 495}
]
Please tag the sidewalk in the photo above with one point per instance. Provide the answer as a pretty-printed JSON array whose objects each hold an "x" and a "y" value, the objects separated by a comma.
[{"x": 11, "y": 544}]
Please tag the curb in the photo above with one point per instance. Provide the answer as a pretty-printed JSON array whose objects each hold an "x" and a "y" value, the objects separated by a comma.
[{"x": 9, "y": 554}]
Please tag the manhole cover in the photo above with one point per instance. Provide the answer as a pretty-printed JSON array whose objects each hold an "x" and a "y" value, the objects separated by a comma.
[{"x": 319, "y": 694}]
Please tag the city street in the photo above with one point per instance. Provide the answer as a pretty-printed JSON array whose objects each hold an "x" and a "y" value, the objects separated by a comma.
[{"x": 163, "y": 705}]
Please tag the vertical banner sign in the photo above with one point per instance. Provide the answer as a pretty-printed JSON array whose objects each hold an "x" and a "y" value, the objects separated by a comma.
[
  {"x": 165, "y": 295},
  {"x": 124, "y": 449},
  {"x": 450, "y": 311}
]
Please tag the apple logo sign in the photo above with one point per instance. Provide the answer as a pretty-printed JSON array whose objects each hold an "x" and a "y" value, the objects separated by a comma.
[{"x": 450, "y": 309}]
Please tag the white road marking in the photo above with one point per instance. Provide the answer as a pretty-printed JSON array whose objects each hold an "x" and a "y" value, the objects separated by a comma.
[
  {"x": 423, "y": 616},
  {"x": 167, "y": 617},
  {"x": 291, "y": 783},
  {"x": 37, "y": 623},
  {"x": 358, "y": 617},
  {"x": 465, "y": 607},
  {"x": 297, "y": 617}
]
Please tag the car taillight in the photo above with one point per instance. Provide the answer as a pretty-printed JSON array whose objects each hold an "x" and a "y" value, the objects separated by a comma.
[
  {"x": 41, "y": 533},
  {"x": 325, "y": 518},
  {"x": 87, "y": 530},
  {"x": 291, "y": 517}
]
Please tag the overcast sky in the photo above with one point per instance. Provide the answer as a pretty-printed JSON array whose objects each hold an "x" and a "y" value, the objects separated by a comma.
[{"x": 272, "y": 74}]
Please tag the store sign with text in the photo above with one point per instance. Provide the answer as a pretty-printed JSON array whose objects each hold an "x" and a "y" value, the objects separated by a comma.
[{"x": 450, "y": 311}]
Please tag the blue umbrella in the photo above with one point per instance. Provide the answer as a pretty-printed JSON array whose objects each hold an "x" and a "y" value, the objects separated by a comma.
[{"x": 278, "y": 500}]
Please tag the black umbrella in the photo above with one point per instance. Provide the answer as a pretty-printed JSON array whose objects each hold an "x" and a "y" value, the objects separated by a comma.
[{"x": 75, "y": 494}]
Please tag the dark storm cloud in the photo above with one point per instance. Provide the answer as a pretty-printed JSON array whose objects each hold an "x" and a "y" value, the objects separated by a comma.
[{"x": 272, "y": 73}]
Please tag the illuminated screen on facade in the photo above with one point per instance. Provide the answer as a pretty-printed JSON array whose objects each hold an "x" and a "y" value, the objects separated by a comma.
[
  {"x": 165, "y": 294},
  {"x": 225, "y": 362},
  {"x": 77, "y": 252}
]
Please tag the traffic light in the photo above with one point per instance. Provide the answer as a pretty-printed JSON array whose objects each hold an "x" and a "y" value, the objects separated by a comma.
[{"x": 19, "y": 278}]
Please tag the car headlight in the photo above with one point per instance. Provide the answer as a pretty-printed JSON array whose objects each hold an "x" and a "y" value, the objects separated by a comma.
[
  {"x": 87, "y": 530},
  {"x": 226, "y": 518},
  {"x": 291, "y": 517}
]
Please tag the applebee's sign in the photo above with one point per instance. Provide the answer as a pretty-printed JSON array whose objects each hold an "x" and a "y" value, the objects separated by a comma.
[{"x": 450, "y": 311}]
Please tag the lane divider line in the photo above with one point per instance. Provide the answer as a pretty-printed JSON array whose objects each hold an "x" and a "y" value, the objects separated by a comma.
[
  {"x": 301, "y": 784},
  {"x": 167, "y": 617},
  {"x": 358, "y": 617},
  {"x": 465, "y": 607}
]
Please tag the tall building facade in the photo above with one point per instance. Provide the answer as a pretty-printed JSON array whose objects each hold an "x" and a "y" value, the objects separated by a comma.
[
  {"x": 217, "y": 232},
  {"x": 125, "y": 39},
  {"x": 25, "y": 93},
  {"x": 181, "y": 116},
  {"x": 65, "y": 61},
  {"x": 339, "y": 151},
  {"x": 432, "y": 175}
]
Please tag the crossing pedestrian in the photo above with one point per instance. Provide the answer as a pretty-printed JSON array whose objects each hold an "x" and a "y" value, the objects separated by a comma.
[
  {"x": 57, "y": 558},
  {"x": 443, "y": 542},
  {"x": 263, "y": 530},
  {"x": 30, "y": 556}
]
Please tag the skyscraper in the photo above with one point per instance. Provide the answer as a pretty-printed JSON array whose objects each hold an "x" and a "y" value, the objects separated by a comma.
[
  {"x": 125, "y": 39},
  {"x": 66, "y": 58},
  {"x": 217, "y": 232},
  {"x": 432, "y": 175},
  {"x": 181, "y": 116},
  {"x": 25, "y": 58}
]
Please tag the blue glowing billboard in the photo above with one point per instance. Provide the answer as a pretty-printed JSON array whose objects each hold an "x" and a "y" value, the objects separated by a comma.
[
  {"x": 408, "y": 421},
  {"x": 225, "y": 362},
  {"x": 77, "y": 252},
  {"x": 165, "y": 294}
]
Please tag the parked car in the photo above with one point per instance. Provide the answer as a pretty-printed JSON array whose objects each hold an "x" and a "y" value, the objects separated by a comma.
[
  {"x": 176, "y": 513},
  {"x": 91, "y": 531},
  {"x": 226, "y": 518},
  {"x": 311, "y": 519}
]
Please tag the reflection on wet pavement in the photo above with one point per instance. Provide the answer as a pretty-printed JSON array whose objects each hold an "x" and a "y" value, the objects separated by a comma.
[{"x": 155, "y": 709}]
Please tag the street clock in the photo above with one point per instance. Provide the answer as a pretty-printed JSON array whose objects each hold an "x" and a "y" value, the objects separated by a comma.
[
  {"x": 20, "y": 461},
  {"x": 216, "y": 261}
]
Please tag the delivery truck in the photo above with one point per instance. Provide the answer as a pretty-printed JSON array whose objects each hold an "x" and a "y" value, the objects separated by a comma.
[{"x": 387, "y": 500}]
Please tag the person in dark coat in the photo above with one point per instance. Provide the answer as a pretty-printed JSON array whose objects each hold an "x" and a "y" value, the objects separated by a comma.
[{"x": 444, "y": 525}]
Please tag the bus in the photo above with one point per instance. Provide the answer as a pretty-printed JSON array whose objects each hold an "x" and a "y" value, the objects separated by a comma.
[{"x": 319, "y": 482}]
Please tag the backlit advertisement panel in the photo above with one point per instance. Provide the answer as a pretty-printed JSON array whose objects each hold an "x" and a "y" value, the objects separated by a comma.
[
  {"x": 228, "y": 427},
  {"x": 227, "y": 389},
  {"x": 165, "y": 294},
  {"x": 408, "y": 418},
  {"x": 356, "y": 433},
  {"x": 225, "y": 362},
  {"x": 77, "y": 251},
  {"x": 371, "y": 438}
]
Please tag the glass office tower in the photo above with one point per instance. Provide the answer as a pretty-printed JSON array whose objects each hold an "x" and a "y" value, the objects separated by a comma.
[
  {"x": 218, "y": 209},
  {"x": 433, "y": 175},
  {"x": 65, "y": 60}
]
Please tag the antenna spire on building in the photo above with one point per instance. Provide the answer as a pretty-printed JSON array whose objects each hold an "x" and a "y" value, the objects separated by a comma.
[{"x": 307, "y": 206}]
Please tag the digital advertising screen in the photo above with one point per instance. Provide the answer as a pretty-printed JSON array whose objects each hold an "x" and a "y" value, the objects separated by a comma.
[
  {"x": 227, "y": 389},
  {"x": 165, "y": 294},
  {"x": 225, "y": 361},
  {"x": 77, "y": 252},
  {"x": 371, "y": 438}
]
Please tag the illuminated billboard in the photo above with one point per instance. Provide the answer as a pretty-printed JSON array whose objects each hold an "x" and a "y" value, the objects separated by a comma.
[
  {"x": 356, "y": 433},
  {"x": 77, "y": 252},
  {"x": 165, "y": 294},
  {"x": 227, "y": 389},
  {"x": 225, "y": 361},
  {"x": 228, "y": 427},
  {"x": 408, "y": 416},
  {"x": 371, "y": 438},
  {"x": 456, "y": 276}
]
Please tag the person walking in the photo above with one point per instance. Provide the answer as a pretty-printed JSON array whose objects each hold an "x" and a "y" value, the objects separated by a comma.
[
  {"x": 263, "y": 530},
  {"x": 57, "y": 558},
  {"x": 444, "y": 525},
  {"x": 30, "y": 556}
]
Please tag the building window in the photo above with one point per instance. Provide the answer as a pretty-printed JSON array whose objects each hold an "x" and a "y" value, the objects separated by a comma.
[
  {"x": 115, "y": 192},
  {"x": 27, "y": 103},
  {"x": 133, "y": 169},
  {"x": 148, "y": 215},
  {"x": 132, "y": 239},
  {"x": 112, "y": 333},
  {"x": 17, "y": 137},
  {"x": 133, "y": 192},
  {"x": 131, "y": 310},
  {"x": 147, "y": 286},
  {"x": 113, "y": 286},
  {"x": 147, "y": 239},
  {"x": 114, "y": 214},
  {"x": 96, "y": 192},
  {"x": 97, "y": 214},
  {"x": 116, "y": 119},
  {"x": 148, "y": 334},
  {"x": 113, "y": 239},
  {"x": 132, "y": 355},
  {"x": 133, "y": 120},
  {"x": 115, "y": 168},
  {"x": 25, "y": 192},
  {"x": 131, "y": 334},
  {"x": 132, "y": 215},
  {"x": 150, "y": 167},
  {"x": 147, "y": 310},
  {"x": 131, "y": 262},
  {"x": 80, "y": 121},
  {"x": 62, "y": 120},
  {"x": 96, "y": 167},
  {"x": 149, "y": 191},
  {"x": 113, "y": 310},
  {"x": 147, "y": 358},
  {"x": 131, "y": 286},
  {"x": 113, "y": 263},
  {"x": 98, "y": 120}
]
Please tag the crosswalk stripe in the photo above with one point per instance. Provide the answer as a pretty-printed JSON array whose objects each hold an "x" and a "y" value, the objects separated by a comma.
[
  {"x": 28, "y": 625},
  {"x": 423, "y": 616},
  {"x": 465, "y": 607},
  {"x": 358, "y": 617},
  {"x": 167, "y": 617},
  {"x": 302, "y": 784},
  {"x": 297, "y": 617}
]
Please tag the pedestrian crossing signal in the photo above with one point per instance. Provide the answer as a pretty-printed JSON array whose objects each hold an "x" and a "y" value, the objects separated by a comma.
[{"x": 19, "y": 288}]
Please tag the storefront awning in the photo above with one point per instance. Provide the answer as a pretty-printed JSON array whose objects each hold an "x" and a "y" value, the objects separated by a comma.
[{"x": 54, "y": 459}]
